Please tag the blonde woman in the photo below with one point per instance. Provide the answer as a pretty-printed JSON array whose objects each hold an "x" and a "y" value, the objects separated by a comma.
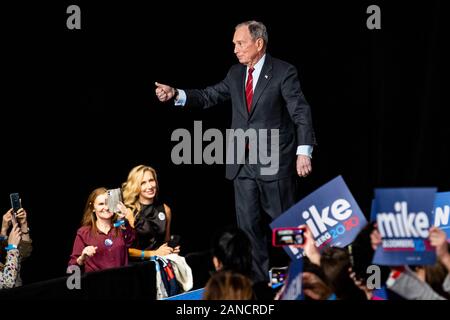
[{"x": 149, "y": 217}]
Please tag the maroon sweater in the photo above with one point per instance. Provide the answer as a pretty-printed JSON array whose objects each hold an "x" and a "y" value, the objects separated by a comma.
[{"x": 112, "y": 250}]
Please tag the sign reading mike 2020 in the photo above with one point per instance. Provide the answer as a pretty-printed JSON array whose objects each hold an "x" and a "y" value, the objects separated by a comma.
[
  {"x": 404, "y": 217},
  {"x": 442, "y": 212},
  {"x": 330, "y": 212}
]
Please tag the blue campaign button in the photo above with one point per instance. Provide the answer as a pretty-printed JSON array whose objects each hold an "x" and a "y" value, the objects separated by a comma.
[{"x": 108, "y": 242}]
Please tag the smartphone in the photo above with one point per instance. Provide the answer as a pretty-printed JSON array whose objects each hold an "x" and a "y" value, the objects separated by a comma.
[
  {"x": 277, "y": 276},
  {"x": 114, "y": 197},
  {"x": 174, "y": 241},
  {"x": 359, "y": 266},
  {"x": 293, "y": 236},
  {"x": 350, "y": 256},
  {"x": 15, "y": 204}
]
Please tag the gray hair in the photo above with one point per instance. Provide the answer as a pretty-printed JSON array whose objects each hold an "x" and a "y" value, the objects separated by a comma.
[{"x": 257, "y": 30}]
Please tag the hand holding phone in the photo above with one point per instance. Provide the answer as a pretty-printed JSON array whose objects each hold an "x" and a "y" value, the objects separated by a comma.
[
  {"x": 114, "y": 198},
  {"x": 174, "y": 241}
]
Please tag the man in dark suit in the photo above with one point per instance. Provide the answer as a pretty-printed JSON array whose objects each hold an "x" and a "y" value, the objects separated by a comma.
[{"x": 266, "y": 95}]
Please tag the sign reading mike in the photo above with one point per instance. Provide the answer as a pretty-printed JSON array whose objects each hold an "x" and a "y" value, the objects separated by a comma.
[
  {"x": 404, "y": 218},
  {"x": 330, "y": 212}
]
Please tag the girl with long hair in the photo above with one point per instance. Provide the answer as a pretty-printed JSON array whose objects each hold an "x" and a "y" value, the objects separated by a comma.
[{"x": 99, "y": 244}]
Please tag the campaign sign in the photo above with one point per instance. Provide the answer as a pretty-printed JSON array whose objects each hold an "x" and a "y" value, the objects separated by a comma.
[
  {"x": 441, "y": 212},
  {"x": 190, "y": 295},
  {"x": 330, "y": 212},
  {"x": 373, "y": 212},
  {"x": 404, "y": 217},
  {"x": 294, "y": 283}
]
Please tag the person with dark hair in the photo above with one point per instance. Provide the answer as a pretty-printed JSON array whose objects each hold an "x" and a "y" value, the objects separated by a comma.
[
  {"x": 315, "y": 284},
  {"x": 232, "y": 250},
  {"x": 99, "y": 244},
  {"x": 266, "y": 97},
  {"x": 335, "y": 263}
]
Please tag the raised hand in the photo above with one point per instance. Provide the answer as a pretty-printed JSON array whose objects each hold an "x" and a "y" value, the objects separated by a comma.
[
  {"x": 310, "y": 249},
  {"x": 15, "y": 235},
  {"x": 438, "y": 239},
  {"x": 21, "y": 216},
  {"x": 6, "y": 221},
  {"x": 124, "y": 212},
  {"x": 164, "y": 92},
  {"x": 360, "y": 283}
]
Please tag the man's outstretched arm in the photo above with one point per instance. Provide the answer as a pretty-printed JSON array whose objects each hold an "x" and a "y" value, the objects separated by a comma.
[{"x": 203, "y": 98}]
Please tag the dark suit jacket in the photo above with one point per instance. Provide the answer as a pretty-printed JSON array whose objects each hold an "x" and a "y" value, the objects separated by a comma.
[{"x": 278, "y": 103}]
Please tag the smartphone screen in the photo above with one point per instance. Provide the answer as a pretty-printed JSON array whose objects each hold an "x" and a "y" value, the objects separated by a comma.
[
  {"x": 288, "y": 237},
  {"x": 277, "y": 276}
]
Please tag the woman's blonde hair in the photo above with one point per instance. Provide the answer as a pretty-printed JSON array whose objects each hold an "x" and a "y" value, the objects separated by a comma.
[
  {"x": 228, "y": 285},
  {"x": 132, "y": 187}
]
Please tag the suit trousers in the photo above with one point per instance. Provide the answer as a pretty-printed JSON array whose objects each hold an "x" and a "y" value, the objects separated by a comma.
[{"x": 258, "y": 202}]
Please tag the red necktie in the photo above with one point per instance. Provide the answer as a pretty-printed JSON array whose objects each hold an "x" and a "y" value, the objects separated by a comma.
[{"x": 249, "y": 89}]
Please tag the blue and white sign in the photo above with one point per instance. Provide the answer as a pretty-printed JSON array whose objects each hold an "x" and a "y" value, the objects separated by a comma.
[
  {"x": 294, "y": 284},
  {"x": 441, "y": 212},
  {"x": 330, "y": 212},
  {"x": 373, "y": 212},
  {"x": 404, "y": 217},
  {"x": 190, "y": 295}
]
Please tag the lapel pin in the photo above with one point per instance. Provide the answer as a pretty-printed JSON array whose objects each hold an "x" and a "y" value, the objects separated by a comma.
[{"x": 266, "y": 76}]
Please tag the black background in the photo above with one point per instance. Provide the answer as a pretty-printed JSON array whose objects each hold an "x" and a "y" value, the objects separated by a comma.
[{"x": 78, "y": 109}]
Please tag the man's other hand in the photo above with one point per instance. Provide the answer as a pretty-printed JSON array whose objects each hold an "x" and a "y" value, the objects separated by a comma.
[{"x": 304, "y": 167}]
